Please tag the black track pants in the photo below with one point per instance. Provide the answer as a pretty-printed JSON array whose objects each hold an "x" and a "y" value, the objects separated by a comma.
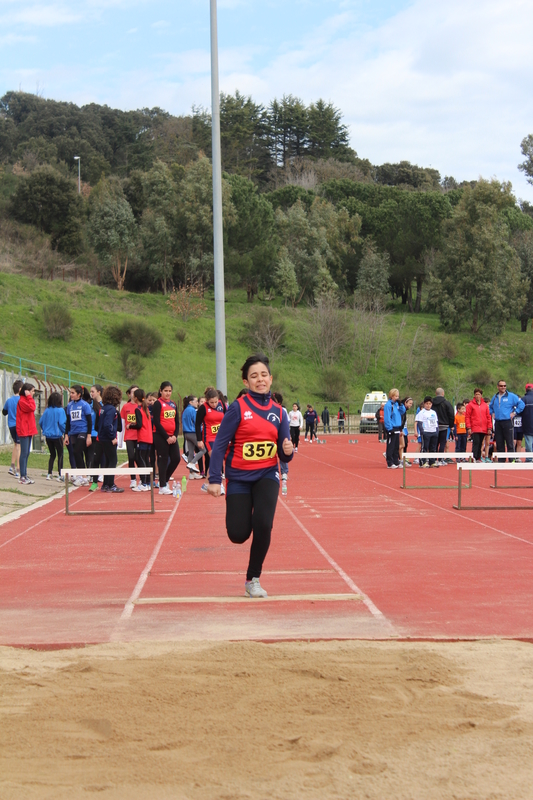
[
  {"x": 253, "y": 513},
  {"x": 168, "y": 458}
]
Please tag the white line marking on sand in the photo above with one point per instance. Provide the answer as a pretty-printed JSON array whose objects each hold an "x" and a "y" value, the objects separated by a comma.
[
  {"x": 313, "y": 598},
  {"x": 130, "y": 605},
  {"x": 374, "y": 610}
]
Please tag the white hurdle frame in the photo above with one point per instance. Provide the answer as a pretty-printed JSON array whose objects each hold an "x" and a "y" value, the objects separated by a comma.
[
  {"x": 435, "y": 457},
  {"x": 496, "y": 467},
  {"x": 66, "y": 472}
]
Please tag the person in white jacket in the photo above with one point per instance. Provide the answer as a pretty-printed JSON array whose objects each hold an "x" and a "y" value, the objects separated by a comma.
[{"x": 296, "y": 422}]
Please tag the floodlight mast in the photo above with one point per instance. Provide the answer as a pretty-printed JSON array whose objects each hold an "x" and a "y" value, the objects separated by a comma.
[{"x": 218, "y": 236}]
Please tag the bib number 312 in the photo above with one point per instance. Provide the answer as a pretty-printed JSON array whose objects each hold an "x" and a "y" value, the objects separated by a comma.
[{"x": 259, "y": 451}]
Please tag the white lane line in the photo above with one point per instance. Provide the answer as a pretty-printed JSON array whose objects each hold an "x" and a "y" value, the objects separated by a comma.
[
  {"x": 38, "y": 505},
  {"x": 427, "y": 502},
  {"x": 374, "y": 610},
  {"x": 130, "y": 605}
]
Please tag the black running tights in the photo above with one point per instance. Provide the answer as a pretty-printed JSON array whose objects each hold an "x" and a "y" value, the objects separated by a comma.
[
  {"x": 168, "y": 458},
  {"x": 253, "y": 513},
  {"x": 55, "y": 446}
]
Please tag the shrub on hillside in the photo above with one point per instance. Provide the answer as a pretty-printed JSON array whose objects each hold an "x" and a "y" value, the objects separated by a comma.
[
  {"x": 334, "y": 383},
  {"x": 481, "y": 377},
  {"x": 58, "y": 320},
  {"x": 181, "y": 335},
  {"x": 132, "y": 365},
  {"x": 137, "y": 337},
  {"x": 266, "y": 331}
]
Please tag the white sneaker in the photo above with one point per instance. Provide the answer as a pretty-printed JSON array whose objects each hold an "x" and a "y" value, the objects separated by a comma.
[
  {"x": 254, "y": 589},
  {"x": 165, "y": 490},
  {"x": 145, "y": 487},
  {"x": 60, "y": 479},
  {"x": 185, "y": 457},
  {"x": 133, "y": 484},
  {"x": 137, "y": 488},
  {"x": 49, "y": 477},
  {"x": 100, "y": 479},
  {"x": 193, "y": 468}
]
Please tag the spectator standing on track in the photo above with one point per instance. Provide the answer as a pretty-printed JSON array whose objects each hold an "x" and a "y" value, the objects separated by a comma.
[
  {"x": 257, "y": 434},
  {"x": 53, "y": 422},
  {"x": 460, "y": 429},
  {"x": 283, "y": 466},
  {"x": 428, "y": 424},
  {"x": 392, "y": 419},
  {"x": 26, "y": 427},
  {"x": 167, "y": 427},
  {"x": 151, "y": 398},
  {"x": 193, "y": 450},
  {"x": 311, "y": 419},
  {"x": 478, "y": 422},
  {"x": 208, "y": 420},
  {"x": 518, "y": 434},
  {"x": 381, "y": 426},
  {"x": 109, "y": 424},
  {"x": 127, "y": 412},
  {"x": 341, "y": 416},
  {"x": 10, "y": 411},
  {"x": 445, "y": 414},
  {"x": 325, "y": 420},
  {"x": 504, "y": 406},
  {"x": 407, "y": 403},
  {"x": 296, "y": 422},
  {"x": 78, "y": 428},
  {"x": 527, "y": 418},
  {"x": 145, "y": 438}
]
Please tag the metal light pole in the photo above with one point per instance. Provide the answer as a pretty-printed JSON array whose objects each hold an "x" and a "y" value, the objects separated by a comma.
[
  {"x": 218, "y": 236},
  {"x": 78, "y": 159}
]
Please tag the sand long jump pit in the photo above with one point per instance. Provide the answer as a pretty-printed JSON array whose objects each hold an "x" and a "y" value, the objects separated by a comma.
[{"x": 227, "y": 721}]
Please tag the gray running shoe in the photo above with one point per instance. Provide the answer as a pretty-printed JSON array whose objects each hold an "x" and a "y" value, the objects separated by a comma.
[{"x": 254, "y": 589}]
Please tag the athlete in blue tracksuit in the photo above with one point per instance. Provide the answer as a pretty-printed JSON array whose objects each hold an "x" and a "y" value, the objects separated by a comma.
[
  {"x": 392, "y": 420},
  {"x": 53, "y": 423},
  {"x": 504, "y": 406},
  {"x": 257, "y": 433}
]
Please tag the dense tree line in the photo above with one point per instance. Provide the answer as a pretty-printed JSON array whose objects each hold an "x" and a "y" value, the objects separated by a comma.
[{"x": 304, "y": 216}]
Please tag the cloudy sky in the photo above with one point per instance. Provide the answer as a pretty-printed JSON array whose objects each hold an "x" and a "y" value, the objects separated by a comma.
[{"x": 446, "y": 84}]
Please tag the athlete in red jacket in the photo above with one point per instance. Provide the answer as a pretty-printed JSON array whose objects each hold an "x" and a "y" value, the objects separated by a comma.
[
  {"x": 478, "y": 422},
  {"x": 26, "y": 428}
]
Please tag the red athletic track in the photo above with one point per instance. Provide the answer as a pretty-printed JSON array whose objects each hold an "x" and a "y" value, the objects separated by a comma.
[{"x": 354, "y": 554}]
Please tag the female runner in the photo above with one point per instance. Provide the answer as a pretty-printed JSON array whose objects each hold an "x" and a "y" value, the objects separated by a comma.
[
  {"x": 78, "y": 428},
  {"x": 145, "y": 438},
  {"x": 127, "y": 412},
  {"x": 257, "y": 432},
  {"x": 166, "y": 429},
  {"x": 208, "y": 419}
]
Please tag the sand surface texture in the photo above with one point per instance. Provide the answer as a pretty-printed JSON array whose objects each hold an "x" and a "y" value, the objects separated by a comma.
[{"x": 246, "y": 720}]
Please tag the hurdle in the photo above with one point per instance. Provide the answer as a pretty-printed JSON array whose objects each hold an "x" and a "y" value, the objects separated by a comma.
[
  {"x": 473, "y": 467},
  {"x": 521, "y": 454},
  {"x": 434, "y": 457},
  {"x": 68, "y": 471}
]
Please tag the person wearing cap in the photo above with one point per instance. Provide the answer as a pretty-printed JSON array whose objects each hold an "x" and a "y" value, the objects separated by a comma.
[
  {"x": 527, "y": 418},
  {"x": 503, "y": 407}
]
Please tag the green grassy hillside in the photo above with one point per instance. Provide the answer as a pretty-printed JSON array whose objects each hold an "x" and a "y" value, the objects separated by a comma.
[{"x": 413, "y": 353}]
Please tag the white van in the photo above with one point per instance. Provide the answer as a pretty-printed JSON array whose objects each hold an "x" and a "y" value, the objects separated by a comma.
[{"x": 372, "y": 402}]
